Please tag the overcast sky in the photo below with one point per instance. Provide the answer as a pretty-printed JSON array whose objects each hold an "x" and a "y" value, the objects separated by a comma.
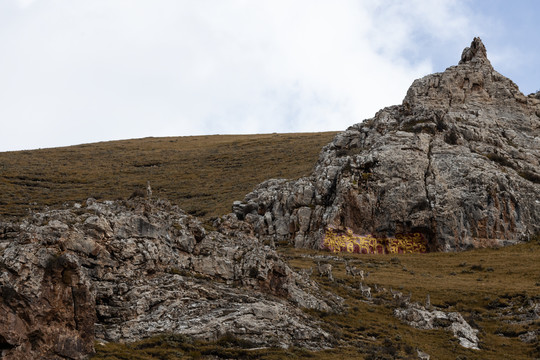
[{"x": 80, "y": 71}]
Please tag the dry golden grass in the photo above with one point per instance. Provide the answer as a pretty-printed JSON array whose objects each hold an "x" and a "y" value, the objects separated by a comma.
[
  {"x": 202, "y": 174},
  {"x": 487, "y": 286}
]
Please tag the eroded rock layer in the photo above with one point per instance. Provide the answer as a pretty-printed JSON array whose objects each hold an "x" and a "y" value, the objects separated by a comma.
[
  {"x": 457, "y": 162},
  {"x": 122, "y": 271}
]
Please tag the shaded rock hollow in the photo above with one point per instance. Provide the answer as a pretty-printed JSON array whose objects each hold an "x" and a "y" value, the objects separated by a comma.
[{"x": 457, "y": 161}]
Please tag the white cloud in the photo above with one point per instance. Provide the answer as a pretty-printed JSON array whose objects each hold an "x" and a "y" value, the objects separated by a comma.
[
  {"x": 25, "y": 3},
  {"x": 82, "y": 71}
]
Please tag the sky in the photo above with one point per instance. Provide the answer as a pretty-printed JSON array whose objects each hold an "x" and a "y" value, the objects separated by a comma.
[{"x": 82, "y": 71}]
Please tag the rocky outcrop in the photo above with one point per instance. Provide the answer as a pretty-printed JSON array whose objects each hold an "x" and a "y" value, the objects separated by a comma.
[
  {"x": 121, "y": 271},
  {"x": 419, "y": 317},
  {"x": 457, "y": 162}
]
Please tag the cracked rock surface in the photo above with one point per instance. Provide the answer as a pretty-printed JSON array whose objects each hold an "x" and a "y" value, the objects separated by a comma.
[
  {"x": 458, "y": 161},
  {"x": 122, "y": 271},
  {"x": 419, "y": 317}
]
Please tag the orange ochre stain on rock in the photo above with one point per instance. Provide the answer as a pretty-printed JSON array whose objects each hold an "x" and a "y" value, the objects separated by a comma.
[{"x": 336, "y": 240}]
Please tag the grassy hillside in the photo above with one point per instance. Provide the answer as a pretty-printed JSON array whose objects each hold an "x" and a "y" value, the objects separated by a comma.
[{"x": 202, "y": 174}]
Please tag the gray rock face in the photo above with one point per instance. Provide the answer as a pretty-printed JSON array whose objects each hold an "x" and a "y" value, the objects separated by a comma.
[
  {"x": 121, "y": 271},
  {"x": 419, "y": 317},
  {"x": 458, "y": 162}
]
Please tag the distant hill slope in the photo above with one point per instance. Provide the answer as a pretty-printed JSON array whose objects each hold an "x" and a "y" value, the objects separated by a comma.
[{"x": 202, "y": 174}]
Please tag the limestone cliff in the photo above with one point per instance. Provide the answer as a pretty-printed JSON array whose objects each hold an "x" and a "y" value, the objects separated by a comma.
[{"x": 456, "y": 163}]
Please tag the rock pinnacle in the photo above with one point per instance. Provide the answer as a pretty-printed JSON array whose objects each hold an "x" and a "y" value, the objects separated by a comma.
[{"x": 475, "y": 53}]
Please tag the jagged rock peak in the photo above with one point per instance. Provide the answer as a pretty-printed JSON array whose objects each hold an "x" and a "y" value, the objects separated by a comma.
[
  {"x": 475, "y": 53},
  {"x": 457, "y": 164},
  {"x": 472, "y": 83}
]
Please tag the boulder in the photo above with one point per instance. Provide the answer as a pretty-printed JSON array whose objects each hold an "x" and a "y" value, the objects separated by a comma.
[{"x": 419, "y": 317}]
